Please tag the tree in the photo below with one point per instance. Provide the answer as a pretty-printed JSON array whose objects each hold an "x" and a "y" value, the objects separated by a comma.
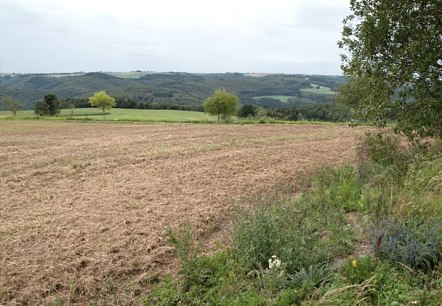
[
  {"x": 102, "y": 100},
  {"x": 393, "y": 63},
  {"x": 50, "y": 105},
  {"x": 246, "y": 111},
  {"x": 11, "y": 104},
  {"x": 221, "y": 102}
]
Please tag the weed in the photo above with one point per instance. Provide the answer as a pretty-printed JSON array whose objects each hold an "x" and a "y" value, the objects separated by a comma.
[
  {"x": 357, "y": 270},
  {"x": 312, "y": 277}
]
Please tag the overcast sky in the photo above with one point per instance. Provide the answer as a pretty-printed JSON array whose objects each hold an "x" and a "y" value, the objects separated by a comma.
[{"x": 280, "y": 36}]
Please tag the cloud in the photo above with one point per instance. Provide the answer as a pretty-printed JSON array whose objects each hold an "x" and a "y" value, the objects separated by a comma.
[{"x": 168, "y": 35}]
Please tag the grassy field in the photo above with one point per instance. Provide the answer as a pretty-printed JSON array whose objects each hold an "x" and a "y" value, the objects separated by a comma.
[
  {"x": 322, "y": 90},
  {"x": 283, "y": 99},
  {"x": 141, "y": 115},
  {"x": 117, "y": 114}
]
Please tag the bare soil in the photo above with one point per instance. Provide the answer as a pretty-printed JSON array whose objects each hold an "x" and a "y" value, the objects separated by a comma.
[{"x": 84, "y": 207}]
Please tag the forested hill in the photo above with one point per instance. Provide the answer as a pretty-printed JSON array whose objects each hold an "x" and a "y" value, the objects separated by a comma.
[{"x": 274, "y": 90}]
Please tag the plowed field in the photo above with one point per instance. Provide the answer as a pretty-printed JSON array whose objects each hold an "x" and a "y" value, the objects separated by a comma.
[{"x": 84, "y": 207}]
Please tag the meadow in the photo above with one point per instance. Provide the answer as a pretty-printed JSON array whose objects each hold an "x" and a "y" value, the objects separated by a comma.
[
  {"x": 316, "y": 89},
  {"x": 86, "y": 208},
  {"x": 117, "y": 114},
  {"x": 283, "y": 99}
]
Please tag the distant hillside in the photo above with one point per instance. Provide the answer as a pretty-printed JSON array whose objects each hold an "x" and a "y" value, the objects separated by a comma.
[{"x": 175, "y": 88}]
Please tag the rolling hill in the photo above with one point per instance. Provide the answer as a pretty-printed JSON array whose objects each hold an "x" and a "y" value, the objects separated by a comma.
[{"x": 172, "y": 88}]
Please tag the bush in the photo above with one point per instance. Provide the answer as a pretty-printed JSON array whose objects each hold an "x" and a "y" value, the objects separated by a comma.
[
  {"x": 386, "y": 150},
  {"x": 416, "y": 245},
  {"x": 300, "y": 233}
]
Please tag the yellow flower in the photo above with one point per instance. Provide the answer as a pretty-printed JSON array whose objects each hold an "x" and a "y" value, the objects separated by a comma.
[{"x": 354, "y": 263}]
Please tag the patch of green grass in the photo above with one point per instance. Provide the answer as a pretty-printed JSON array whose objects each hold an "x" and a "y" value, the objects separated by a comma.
[
  {"x": 283, "y": 99},
  {"x": 119, "y": 114},
  {"x": 317, "y": 89},
  {"x": 141, "y": 115}
]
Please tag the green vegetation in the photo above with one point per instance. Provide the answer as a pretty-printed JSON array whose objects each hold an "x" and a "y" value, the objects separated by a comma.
[
  {"x": 49, "y": 106},
  {"x": 221, "y": 102},
  {"x": 369, "y": 234},
  {"x": 102, "y": 100},
  {"x": 247, "y": 111},
  {"x": 319, "y": 90},
  {"x": 117, "y": 114},
  {"x": 283, "y": 99},
  {"x": 174, "y": 89},
  {"x": 10, "y": 104},
  {"x": 394, "y": 69}
]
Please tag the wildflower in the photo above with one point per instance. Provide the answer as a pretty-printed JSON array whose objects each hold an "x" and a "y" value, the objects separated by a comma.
[
  {"x": 274, "y": 262},
  {"x": 354, "y": 263}
]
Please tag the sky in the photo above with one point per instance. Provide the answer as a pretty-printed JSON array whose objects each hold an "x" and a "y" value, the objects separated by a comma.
[{"x": 277, "y": 36}]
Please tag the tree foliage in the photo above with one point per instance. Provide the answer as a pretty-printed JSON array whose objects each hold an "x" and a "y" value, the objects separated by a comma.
[
  {"x": 11, "y": 104},
  {"x": 102, "y": 100},
  {"x": 221, "y": 102},
  {"x": 246, "y": 111},
  {"x": 393, "y": 63},
  {"x": 49, "y": 106}
]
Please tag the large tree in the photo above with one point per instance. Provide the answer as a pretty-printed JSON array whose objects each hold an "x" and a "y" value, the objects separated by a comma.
[
  {"x": 50, "y": 105},
  {"x": 393, "y": 63},
  {"x": 102, "y": 100},
  {"x": 221, "y": 102}
]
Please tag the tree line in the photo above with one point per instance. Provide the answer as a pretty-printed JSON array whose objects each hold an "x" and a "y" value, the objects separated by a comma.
[{"x": 51, "y": 105}]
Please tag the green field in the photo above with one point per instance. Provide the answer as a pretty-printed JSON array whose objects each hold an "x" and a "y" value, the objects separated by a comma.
[
  {"x": 147, "y": 115},
  {"x": 283, "y": 99},
  {"x": 322, "y": 90},
  {"x": 118, "y": 114}
]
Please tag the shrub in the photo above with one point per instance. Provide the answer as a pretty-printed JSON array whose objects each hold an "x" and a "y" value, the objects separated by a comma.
[
  {"x": 416, "y": 245},
  {"x": 300, "y": 233}
]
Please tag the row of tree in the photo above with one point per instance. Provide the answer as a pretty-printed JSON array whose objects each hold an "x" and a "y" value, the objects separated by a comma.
[
  {"x": 51, "y": 105},
  {"x": 131, "y": 103}
]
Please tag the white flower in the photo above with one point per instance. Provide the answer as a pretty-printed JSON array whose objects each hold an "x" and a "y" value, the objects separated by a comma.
[{"x": 274, "y": 262}]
